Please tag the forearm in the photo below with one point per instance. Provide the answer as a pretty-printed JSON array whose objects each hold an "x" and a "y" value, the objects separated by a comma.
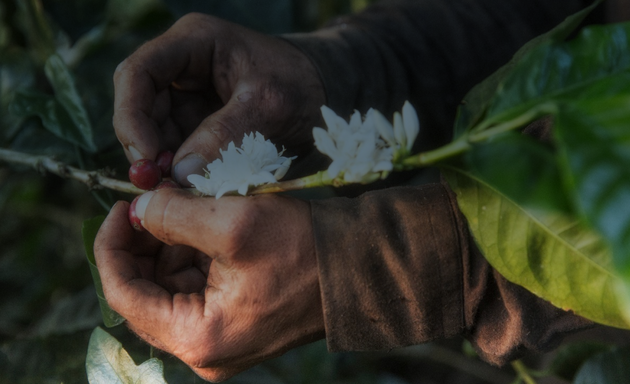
[
  {"x": 399, "y": 267},
  {"x": 428, "y": 51}
]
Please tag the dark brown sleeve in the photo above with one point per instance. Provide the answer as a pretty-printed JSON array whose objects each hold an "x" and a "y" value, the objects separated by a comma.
[
  {"x": 430, "y": 52},
  {"x": 398, "y": 267}
]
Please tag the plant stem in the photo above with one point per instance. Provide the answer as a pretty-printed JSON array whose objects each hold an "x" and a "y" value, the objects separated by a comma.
[
  {"x": 93, "y": 179},
  {"x": 478, "y": 134},
  {"x": 320, "y": 179},
  {"x": 522, "y": 372},
  {"x": 424, "y": 159}
]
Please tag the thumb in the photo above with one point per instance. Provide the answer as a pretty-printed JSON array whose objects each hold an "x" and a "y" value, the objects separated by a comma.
[
  {"x": 177, "y": 217},
  {"x": 228, "y": 124}
]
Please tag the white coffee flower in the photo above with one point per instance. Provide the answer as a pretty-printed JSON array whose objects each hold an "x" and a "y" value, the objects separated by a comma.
[
  {"x": 362, "y": 150},
  {"x": 256, "y": 162},
  {"x": 404, "y": 131}
]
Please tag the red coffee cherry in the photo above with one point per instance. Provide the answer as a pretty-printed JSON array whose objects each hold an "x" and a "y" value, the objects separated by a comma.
[
  {"x": 134, "y": 220},
  {"x": 145, "y": 174},
  {"x": 164, "y": 160}
]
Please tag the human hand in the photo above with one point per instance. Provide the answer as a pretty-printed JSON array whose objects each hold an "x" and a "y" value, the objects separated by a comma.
[
  {"x": 206, "y": 82},
  {"x": 221, "y": 284}
]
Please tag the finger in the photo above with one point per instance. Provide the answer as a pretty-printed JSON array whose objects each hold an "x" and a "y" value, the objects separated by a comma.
[
  {"x": 177, "y": 217},
  {"x": 151, "y": 69},
  {"x": 171, "y": 322},
  {"x": 177, "y": 270},
  {"x": 139, "y": 301},
  {"x": 215, "y": 132}
]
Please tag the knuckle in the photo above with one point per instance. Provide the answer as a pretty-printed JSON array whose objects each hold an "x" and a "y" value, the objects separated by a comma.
[
  {"x": 241, "y": 226},
  {"x": 276, "y": 97},
  {"x": 223, "y": 132}
]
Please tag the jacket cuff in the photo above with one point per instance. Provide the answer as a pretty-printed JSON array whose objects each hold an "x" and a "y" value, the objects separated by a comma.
[{"x": 390, "y": 268}]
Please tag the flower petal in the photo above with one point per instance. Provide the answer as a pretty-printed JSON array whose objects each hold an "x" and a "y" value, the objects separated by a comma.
[
  {"x": 383, "y": 127},
  {"x": 411, "y": 123},
  {"x": 334, "y": 123},
  {"x": 399, "y": 131},
  {"x": 335, "y": 167},
  {"x": 324, "y": 142},
  {"x": 355, "y": 121},
  {"x": 280, "y": 172}
]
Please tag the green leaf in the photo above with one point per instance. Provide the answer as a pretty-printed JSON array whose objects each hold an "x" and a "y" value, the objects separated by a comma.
[
  {"x": 522, "y": 168},
  {"x": 68, "y": 97},
  {"x": 16, "y": 72},
  {"x": 54, "y": 117},
  {"x": 478, "y": 98},
  {"x": 595, "y": 151},
  {"x": 107, "y": 362},
  {"x": 549, "y": 254},
  {"x": 606, "y": 368},
  {"x": 560, "y": 72},
  {"x": 570, "y": 358},
  {"x": 90, "y": 228}
]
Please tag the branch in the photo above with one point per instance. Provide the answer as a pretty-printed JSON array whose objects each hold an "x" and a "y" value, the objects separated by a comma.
[{"x": 93, "y": 179}]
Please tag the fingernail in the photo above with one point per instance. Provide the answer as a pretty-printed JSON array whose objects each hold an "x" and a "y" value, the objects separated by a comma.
[
  {"x": 135, "y": 154},
  {"x": 141, "y": 205},
  {"x": 191, "y": 164}
]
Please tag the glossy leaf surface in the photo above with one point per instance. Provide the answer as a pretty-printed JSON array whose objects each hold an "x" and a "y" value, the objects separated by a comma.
[
  {"x": 477, "y": 100},
  {"x": 549, "y": 254},
  {"x": 595, "y": 142},
  {"x": 559, "y": 72}
]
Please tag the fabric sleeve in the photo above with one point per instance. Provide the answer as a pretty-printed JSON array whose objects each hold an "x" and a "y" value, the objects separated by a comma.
[
  {"x": 430, "y": 52},
  {"x": 398, "y": 267}
]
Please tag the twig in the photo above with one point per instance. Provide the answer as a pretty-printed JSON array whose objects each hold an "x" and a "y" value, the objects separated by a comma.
[
  {"x": 522, "y": 372},
  {"x": 93, "y": 179}
]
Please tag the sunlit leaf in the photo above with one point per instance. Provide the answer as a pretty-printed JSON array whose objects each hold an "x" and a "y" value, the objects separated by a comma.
[
  {"x": 522, "y": 168},
  {"x": 68, "y": 97},
  {"x": 595, "y": 147},
  {"x": 606, "y": 368},
  {"x": 476, "y": 102},
  {"x": 90, "y": 228},
  {"x": 549, "y": 254},
  {"x": 107, "y": 362}
]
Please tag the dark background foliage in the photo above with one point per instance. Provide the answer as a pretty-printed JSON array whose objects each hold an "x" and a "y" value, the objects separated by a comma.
[{"x": 48, "y": 306}]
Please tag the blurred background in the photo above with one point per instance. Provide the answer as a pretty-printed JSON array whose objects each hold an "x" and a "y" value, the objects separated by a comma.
[{"x": 48, "y": 306}]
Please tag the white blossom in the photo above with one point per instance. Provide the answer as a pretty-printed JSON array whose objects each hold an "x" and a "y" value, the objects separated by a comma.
[
  {"x": 363, "y": 149},
  {"x": 256, "y": 162}
]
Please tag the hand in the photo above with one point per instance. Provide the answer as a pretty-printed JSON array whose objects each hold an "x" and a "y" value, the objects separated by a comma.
[
  {"x": 206, "y": 82},
  {"x": 221, "y": 284}
]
